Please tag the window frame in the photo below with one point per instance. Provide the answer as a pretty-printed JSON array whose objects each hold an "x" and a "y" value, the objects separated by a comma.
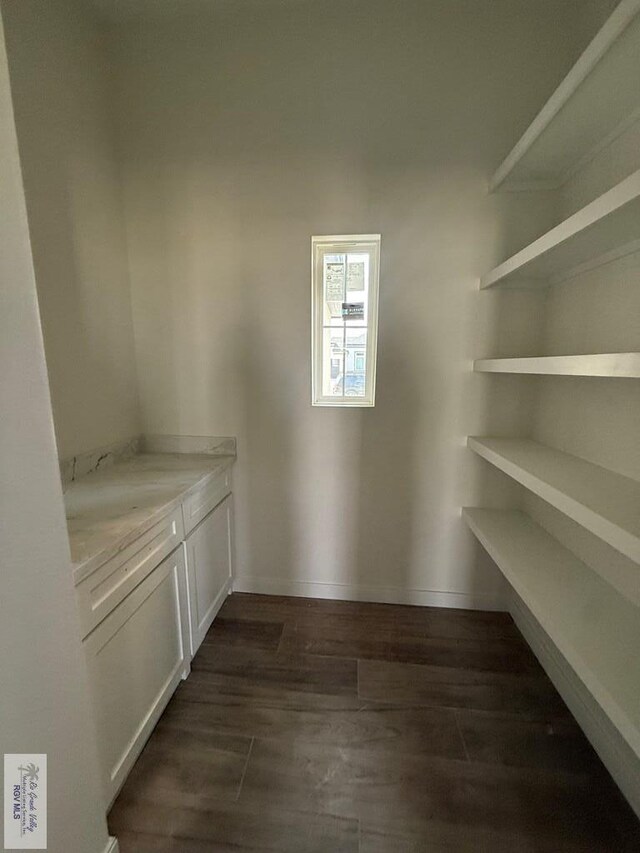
[{"x": 344, "y": 244}]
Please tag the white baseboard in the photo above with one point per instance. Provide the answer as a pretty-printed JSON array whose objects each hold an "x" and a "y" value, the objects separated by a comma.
[
  {"x": 112, "y": 845},
  {"x": 381, "y": 594},
  {"x": 616, "y": 754}
]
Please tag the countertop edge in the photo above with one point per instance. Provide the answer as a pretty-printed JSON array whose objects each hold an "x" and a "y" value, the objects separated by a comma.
[{"x": 83, "y": 569}]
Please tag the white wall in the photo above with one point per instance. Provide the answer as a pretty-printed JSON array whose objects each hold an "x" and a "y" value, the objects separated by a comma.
[
  {"x": 60, "y": 86},
  {"x": 43, "y": 690},
  {"x": 251, "y": 127}
]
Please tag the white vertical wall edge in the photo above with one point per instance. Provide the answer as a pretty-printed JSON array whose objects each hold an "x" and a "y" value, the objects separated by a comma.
[{"x": 112, "y": 845}]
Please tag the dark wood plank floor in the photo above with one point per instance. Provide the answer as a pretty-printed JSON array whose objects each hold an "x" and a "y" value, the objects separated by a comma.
[{"x": 320, "y": 727}]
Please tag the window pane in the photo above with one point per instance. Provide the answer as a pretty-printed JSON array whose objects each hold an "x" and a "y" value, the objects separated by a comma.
[
  {"x": 355, "y": 307},
  {"x": 345, "y": 287},
  {"x": 333, "y": 288},
  {"x": 332, "y": 362},
  {"x": 353, "y": 383}
]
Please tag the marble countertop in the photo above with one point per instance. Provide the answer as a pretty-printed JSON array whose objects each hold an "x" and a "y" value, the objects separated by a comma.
[{"x": 109, "y": 509}]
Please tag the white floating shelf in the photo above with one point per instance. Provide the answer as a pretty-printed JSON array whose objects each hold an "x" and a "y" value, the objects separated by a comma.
[
  {"x": 597, "y": 99},
  {"x": 563, "y": 594},
  {"x": 601, "y": 228},
  {"x": 615, "y": 364},
  {"x": 605, "y": 503}
]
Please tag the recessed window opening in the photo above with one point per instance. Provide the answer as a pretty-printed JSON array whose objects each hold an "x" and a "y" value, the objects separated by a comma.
[{"x": 345, "y": 274}]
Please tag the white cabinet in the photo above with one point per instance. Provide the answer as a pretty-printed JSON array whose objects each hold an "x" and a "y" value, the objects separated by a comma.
[
  {"x": 209, "y": 553},
  {"x": 136, "y": 657},
  {"x": 98, "y": 593},
  {"x": 145, "y": 611}
]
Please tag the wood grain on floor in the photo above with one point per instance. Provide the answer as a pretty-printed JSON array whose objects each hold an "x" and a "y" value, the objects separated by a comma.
[{"x": 323, "y": 726}]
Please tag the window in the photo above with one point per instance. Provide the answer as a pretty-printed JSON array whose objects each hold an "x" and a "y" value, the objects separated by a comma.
[{"x": 344, "y": 276}]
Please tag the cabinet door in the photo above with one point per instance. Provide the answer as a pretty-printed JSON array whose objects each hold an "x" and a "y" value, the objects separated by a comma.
[
  {"x": 209, "y": 567},
  {"x": 135, "y": 659}
]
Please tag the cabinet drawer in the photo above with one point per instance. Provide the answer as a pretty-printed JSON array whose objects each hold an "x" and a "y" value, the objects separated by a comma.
[
  {"x": 200, "y": 504},
  {"x": 102, "y": 590},
  {"x": 135, "y": 660}
]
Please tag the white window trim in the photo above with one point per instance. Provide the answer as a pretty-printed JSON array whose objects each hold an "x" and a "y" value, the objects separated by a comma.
[{"x": 342, "y": 244}]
